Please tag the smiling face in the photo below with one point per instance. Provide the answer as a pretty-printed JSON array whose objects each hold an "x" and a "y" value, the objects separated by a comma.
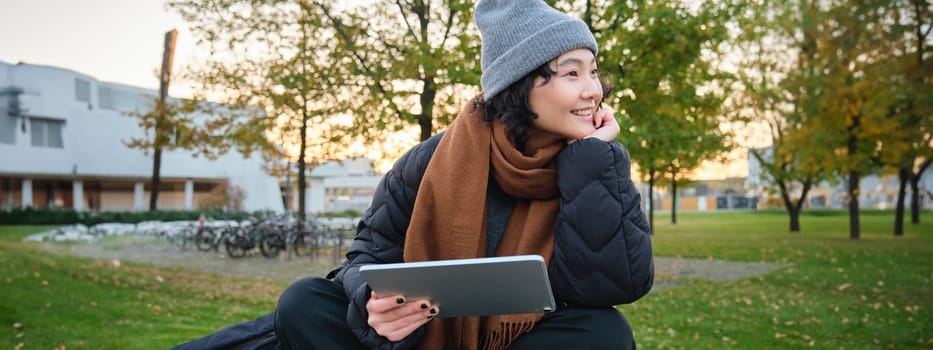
[{"x": 565, "y": 104}]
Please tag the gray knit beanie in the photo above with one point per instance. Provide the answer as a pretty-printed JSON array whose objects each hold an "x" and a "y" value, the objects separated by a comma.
[{"x": 519, "y": 36}]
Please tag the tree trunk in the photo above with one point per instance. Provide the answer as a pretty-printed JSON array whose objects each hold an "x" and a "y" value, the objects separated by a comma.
[
  {"x": 914, "y": 200},
  {"x": 915, "y": 192},
  {"x": 794, "y": 219},
  {"x": 792, "y": 211},
  {"x": 156, "y": 179},
  {"x": 425, "y": 120},
  {"x": 904, "y": 177},
  {"x": 651, "y": 200},
  {"x": 287, "y": 196},
  {"x": 674, "y": 202},
  {"x": 854, "y": 229},
  {"x": 921, "y": 51},
  {"x": 159, "y": 137},
  {"x": 158, "y": 140},
  {"x": 302, "y": 184}
]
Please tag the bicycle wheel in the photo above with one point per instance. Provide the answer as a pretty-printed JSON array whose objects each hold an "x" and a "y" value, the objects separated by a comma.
[
  {"x": 303, "y": 244},
  {"x": 204, "y": 240},
  {"x": 271, "y": 244},
  {"x": 234, "y": 247},
  {"x": 181, "y": 240}
]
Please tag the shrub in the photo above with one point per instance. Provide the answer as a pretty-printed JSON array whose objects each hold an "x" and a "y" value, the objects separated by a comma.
[
  {"x": 349, "y": 213},
  {"x": 42, "y": 216}
]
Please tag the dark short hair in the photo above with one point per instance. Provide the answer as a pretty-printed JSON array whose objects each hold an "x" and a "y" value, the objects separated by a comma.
[{"x": 511, "y": 105}]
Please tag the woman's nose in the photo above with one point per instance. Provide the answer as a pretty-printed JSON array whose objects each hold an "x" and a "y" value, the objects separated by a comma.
[{"x": 592, "y": 89}]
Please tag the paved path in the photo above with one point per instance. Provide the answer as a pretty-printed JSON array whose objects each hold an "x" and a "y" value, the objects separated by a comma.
[
  {"x": 716, "y": 270},
  {"x": 158, "y": 252}
]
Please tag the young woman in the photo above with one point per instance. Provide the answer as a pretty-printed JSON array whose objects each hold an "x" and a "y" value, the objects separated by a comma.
[{"x": 529, "y": 167}]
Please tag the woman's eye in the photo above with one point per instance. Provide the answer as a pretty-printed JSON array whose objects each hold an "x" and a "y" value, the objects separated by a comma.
[
  {"x": 572, "y": 73},
  {"x": 594, "y": 72}
]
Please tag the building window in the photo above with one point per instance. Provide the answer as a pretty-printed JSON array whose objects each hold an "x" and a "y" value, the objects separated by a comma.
[
  {"x": 82, "y": 90},
  {"x": 46, "y": 132},
  {"x": 117, "y": 99},
  {"x": 8, "y": 127},
  {"x": 105, "y": 97}
]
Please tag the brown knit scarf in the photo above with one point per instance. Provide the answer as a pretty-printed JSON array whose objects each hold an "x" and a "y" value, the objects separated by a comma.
[{"x": 449, "y": 217}]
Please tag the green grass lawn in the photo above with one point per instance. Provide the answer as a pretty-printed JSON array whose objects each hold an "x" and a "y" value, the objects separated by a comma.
[
  {"x": 875, "y": 293},
  {"x": 65, "y": 302}
]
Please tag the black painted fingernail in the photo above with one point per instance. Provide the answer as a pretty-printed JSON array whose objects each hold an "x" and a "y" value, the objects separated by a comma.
[
  {"x": 424, "y": 306},
  {"x": 400, "y": 300},
  {"x": 433, "y": 311},
  {"x": 431, "y": 317}
]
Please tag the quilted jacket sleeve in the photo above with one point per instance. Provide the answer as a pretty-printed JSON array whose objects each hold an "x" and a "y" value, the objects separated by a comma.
[
  {"x": 602, "y": 245},
  {"x": 380, "y": 240}
]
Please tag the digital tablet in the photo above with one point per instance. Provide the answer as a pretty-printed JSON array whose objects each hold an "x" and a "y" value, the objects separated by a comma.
[{"x": 469, "y": 287}]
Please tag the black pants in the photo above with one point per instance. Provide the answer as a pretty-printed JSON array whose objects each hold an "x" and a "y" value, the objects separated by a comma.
[{"x": 311, "y": 314}]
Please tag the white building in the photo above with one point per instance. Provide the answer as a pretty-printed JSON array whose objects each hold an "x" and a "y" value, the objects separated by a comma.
[
  {"x": 340, "y": 186},
  {"x": 62, "y": 137}
]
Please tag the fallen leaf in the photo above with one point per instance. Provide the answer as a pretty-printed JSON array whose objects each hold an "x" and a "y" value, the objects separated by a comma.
[{"x": 843, "y": 286}]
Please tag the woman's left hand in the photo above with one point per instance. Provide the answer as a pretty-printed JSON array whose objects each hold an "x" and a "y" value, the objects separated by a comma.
[{"x": 607, "y": 127}]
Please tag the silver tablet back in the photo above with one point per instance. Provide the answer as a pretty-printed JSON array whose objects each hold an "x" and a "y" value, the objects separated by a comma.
[{"x": 469, "y": 287}]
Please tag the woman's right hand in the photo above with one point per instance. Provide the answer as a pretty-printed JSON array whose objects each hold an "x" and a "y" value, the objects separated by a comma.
[
  {"x": 394, "y": 318},
  {"x": 607, "y": 127}
]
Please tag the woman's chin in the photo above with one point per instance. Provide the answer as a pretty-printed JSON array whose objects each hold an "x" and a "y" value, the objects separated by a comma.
[{"x": 584, "y": 131}]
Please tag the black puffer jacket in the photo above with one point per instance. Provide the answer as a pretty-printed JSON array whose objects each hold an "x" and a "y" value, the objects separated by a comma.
[{"x": 602, "y": 248}]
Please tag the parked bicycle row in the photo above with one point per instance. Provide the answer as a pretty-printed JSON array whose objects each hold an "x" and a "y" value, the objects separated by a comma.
[
  {"x": 270, "y": 237},
  {"x": 266, "y": 236}
]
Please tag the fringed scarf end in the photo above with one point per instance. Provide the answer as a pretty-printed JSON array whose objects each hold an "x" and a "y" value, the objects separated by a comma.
[{"x": 506, "y": 334}]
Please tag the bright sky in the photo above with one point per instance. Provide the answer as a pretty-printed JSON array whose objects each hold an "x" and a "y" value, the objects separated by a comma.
[
  {"x": 121, "y": 41},
  {"x": 116, "y": 41}
]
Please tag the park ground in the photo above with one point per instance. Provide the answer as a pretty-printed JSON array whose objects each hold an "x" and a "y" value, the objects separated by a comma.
[{"x": 734, "y": 280}]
